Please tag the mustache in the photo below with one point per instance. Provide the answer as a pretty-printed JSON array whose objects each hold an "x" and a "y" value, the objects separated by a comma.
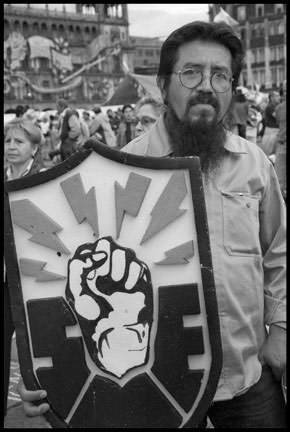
[{"x": 202, "y": 98}]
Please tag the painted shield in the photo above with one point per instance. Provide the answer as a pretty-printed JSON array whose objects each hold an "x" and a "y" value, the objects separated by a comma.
[{"x": 112, "y": 290}]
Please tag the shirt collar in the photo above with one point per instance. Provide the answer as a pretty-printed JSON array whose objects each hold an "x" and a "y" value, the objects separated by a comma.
[
  {"x": 233, "y": 144},
  {"x": 25, "y": 172}
]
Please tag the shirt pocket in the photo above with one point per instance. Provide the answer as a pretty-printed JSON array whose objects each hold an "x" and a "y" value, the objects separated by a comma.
[{"x": 241, "y": 224}]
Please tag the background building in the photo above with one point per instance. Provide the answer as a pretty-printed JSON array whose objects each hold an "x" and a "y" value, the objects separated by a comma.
[
  {"x": 77, "y": 51},
  {"x": 146, "y": 54},
  {"x": 262, "y": 28}
]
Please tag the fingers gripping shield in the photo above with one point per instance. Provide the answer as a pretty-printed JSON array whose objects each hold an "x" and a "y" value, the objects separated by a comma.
[{"x": 112, "y": 290}]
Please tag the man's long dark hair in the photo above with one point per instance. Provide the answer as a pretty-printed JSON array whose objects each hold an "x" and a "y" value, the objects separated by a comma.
[{"x": 199, "y": 30}]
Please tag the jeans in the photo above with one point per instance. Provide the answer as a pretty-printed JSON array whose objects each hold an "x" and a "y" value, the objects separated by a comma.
[{"x": 262, "y": 406}]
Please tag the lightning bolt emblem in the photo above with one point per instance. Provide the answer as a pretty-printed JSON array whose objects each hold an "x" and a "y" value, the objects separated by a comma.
[
  {"x": 83, "y": 205},
  {"x": 130, "y": 198},
  {"x": 178, "y": 255},
  {"x": 166, "y": 209},
  {"x": 34, "y": 268},
  {"x": 43, "y": 229}
]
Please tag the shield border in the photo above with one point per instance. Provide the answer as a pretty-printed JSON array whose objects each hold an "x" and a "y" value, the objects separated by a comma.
[{"x": 190, "y": 163}]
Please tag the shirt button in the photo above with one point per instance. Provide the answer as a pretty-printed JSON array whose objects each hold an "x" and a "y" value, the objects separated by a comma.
[{"x": 248, "y": 204}]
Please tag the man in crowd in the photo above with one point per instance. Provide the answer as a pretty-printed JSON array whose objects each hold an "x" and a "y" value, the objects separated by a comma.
[
  {"x": 199, "y": 70},
  {"x": 71, "y": 133},
  {"x": 127, "y": 127}
]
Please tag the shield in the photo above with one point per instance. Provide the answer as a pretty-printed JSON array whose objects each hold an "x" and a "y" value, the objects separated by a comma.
[{"x": 112, "y": 290}]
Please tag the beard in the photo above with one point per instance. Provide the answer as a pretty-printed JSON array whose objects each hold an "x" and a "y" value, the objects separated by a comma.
[{"x": 202, "y": 136}]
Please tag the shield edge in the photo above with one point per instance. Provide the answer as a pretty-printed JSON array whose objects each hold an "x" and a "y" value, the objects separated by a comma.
[{"x": 192, "y": 164}]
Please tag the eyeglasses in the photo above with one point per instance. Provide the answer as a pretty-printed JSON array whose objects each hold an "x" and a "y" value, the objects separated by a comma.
[
  {"x": 190, "y": 77},
  {"x": 145, "y": 121}
]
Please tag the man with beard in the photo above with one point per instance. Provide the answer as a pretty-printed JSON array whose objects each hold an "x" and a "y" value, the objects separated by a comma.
[{"x": 199, "y": 69}]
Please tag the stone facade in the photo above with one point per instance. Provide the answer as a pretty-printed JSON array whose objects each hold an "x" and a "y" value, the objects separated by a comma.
[{"x": 77, "y": 51}]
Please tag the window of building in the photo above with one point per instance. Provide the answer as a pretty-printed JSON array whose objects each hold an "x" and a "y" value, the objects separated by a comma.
[
  {"x": 254, "y": 31},
  {"x": 255, "y": 55},
  {"x": 88, "y": 9},
  {"x": 241, "y": 13},
  {"x": 25, "y": 29},
  {"x": 281, "y": 75},
  {"x": 157, "y": 52},
  {"x": 6, "y": 29},
  {"x": 262, "y": 76},
  {"x": 261, "y": 55},
  {"x": 261, "y": 30},
  {"x": 280, "y": 27},
  {"x": 16, "y": 26},
  {"x": 279, "y": 8},
  {"x": 43, "y": 29},
  {"x": 61, "y": 30},
  {"x": 259, "y": 10},
  {"x": 149, "y": 52},
  {"x": 255, "y": 76},
  {"x": 35, "y": 28},
  {"x": 140, "y": 52},
  {"x": 272, "y": 53},
  {"x": 271, "y": 28},
  {"x": 44, "y": 63},
  {"x": 280, "y": 52},
  {"x": 274, "y": 75}
]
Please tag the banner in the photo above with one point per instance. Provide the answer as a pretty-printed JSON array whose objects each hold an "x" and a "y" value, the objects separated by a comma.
[
  {"x": 40, "y": 47},
  {"x": 61, "y": 61}
]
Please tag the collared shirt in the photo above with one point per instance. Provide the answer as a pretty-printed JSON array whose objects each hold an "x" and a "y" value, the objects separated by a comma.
[
  {"x": 247, "y": 226},
  {"x": 25, "y": 172}
]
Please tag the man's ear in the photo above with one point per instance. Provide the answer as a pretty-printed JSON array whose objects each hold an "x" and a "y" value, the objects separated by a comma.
[{"x": 161, "y": 86}]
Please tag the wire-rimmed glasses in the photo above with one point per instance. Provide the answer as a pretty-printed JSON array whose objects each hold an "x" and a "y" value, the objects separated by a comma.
[{"x": 190, "y": 78}]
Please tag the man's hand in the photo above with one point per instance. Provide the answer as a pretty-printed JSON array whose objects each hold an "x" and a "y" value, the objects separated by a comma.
[
  {"x": 273, "y": 351},
  {"x": 29, "y": 397}
]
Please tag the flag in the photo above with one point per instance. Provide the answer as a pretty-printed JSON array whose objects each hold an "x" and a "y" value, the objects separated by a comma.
[
  {"x": 40, "y": 47},
  {"x": 223, "y": 16}
]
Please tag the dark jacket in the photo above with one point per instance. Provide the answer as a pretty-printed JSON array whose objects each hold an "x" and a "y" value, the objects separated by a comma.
[{"x": 69, "y": 144}]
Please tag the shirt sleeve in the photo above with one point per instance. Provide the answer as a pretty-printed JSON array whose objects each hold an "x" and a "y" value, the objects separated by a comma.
[{"x": 273, "y": 242}]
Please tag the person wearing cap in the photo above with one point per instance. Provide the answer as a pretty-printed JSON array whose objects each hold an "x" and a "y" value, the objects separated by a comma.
[{"x": 100, "y": 127}]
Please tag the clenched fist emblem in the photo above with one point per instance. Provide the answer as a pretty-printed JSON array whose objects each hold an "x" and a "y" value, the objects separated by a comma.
[{"x": 111, "y": 293}]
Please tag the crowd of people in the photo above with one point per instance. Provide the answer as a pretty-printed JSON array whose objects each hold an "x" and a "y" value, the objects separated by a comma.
[{"x": 202, "y": 115}]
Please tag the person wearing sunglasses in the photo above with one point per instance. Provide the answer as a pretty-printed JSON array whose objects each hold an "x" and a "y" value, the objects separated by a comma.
[{"x": 147, "y": 111}]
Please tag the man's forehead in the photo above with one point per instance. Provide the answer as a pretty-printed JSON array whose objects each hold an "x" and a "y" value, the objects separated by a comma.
[{"x": 199, "y": 52}]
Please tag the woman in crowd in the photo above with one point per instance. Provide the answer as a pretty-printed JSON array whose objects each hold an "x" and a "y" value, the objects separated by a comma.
[
  {"x": 147, "y": 111},
  {"x": 22, "y": 139}
]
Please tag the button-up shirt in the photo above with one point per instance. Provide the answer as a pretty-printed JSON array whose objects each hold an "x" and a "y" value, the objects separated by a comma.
[{"x": 247, "y": 227}]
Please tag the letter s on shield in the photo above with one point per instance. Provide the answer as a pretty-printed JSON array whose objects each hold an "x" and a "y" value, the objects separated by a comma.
[{"x": 112, "y": 290}]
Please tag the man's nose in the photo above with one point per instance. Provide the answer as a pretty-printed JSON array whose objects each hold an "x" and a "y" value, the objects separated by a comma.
[{"x": 205, "y": 84}]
